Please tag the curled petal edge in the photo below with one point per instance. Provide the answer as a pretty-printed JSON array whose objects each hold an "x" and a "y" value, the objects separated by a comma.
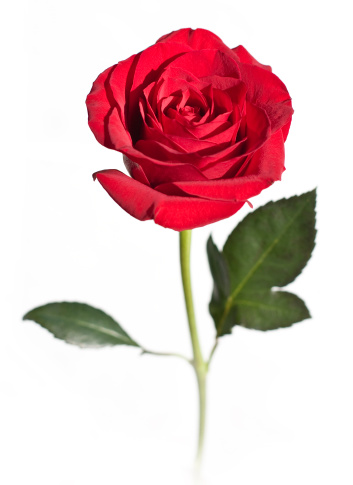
[{"x": 173, "y": 212}]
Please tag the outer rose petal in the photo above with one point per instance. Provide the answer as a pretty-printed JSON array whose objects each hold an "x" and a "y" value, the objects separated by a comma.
[
  {"x": 115, "y": 133},
  {"x": 285, "y": 129},
  {"x": 98, "y": 105},
  {"x": 196, "y": 39},
  {"x": 266, "y": 90},
  {"x": 103, "y": 101},
  {"x": 245, "y": 57},
  {"x": 269, "y": 160},
  {"x": 178, "y": 213}
]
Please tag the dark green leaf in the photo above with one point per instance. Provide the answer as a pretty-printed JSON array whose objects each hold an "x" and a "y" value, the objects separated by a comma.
[
  {"x": 268, "y": 310},
  {"x": 80, "y": 324},
  {"x": 219, "y": 270},
  {"x": 220, "y": 274},
  {"x": 270, "y": 247}
]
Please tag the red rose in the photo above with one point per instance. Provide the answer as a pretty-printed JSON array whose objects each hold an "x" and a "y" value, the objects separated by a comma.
[{"x": 201, "y": 126}]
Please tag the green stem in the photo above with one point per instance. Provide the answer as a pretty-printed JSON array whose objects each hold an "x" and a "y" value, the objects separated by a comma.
[
  {"x": 199, "y": 364},
  {"x": 214, "y": 348},
  {"x": 201, "y": 382}
]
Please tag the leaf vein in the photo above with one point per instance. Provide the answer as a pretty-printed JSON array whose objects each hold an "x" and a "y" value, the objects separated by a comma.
[
  {"x": 257, "y": 304},
  {"x": 95, "y": 327}
]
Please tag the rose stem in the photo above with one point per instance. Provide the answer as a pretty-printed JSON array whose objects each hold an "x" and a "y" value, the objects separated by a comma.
[{"x": 198, "y": 363}]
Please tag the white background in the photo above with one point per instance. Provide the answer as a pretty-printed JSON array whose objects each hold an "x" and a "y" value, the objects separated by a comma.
[{"x": 280, "y": 403}]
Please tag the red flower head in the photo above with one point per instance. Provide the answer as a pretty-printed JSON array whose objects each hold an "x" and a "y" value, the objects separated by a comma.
[{"x": 201, "y": 126}]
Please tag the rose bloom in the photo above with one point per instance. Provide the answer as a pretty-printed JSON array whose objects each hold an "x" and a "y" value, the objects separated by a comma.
[{"x": 201, "y": 127}]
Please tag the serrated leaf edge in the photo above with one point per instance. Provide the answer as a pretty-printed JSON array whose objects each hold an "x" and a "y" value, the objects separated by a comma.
[{"x": 240, "y": 286}]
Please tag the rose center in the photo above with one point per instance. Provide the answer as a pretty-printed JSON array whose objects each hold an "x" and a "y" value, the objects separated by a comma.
[{"x": 191, "y": 113}]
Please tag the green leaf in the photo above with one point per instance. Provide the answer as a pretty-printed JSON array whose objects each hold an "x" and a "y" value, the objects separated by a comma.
[
  {"x": 219, "y": 270},
  {"x": 80, "y": 324},
  {"x": 270, "y": 247},
  {"x": 220, "y": 274},
  {"x": 269, "y": 310}
]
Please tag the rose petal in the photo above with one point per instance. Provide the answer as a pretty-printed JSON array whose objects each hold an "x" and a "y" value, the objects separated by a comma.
[
  {"x": 176, "y": 124},
  {"x": 222, "y": 103},
  {"x": 159, "y": 171},
  {"x": 258, "y": 127},
  {"x": 268, "y": 92},
  {"x": 160, "y": 151},
  {"x": 268, "y": 161},
  {"x": 216, "y": 169},
  {"x": 193, "y": 145},
  {"x": 177, "y": 79},
  {"x": 207, "y": 62},
  {"x": 115, "y": 134},
  {"x": 265, "y": 167},
  {"x": 198, "y": 39},
  {"x": 205, "y": 130},
  {"x": 99, "y": 107},
  {"x": 245, "y": 57},
  {"x": 149, "y": 96},
  {"x": 135, "y": 171},
  {"x": 225, "y": 133},
  {"x": 237, "y": 189},
  {"x": 184, "y": 213},
  {"x": 156, "y": 135},
  {"x": 134, "y": 197},
  {"x": 148, "y": 67},
  {"x": 178, "y": 213},
  {"x": 258, "y": 132},
  {"x": 285, "y": 129}
]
